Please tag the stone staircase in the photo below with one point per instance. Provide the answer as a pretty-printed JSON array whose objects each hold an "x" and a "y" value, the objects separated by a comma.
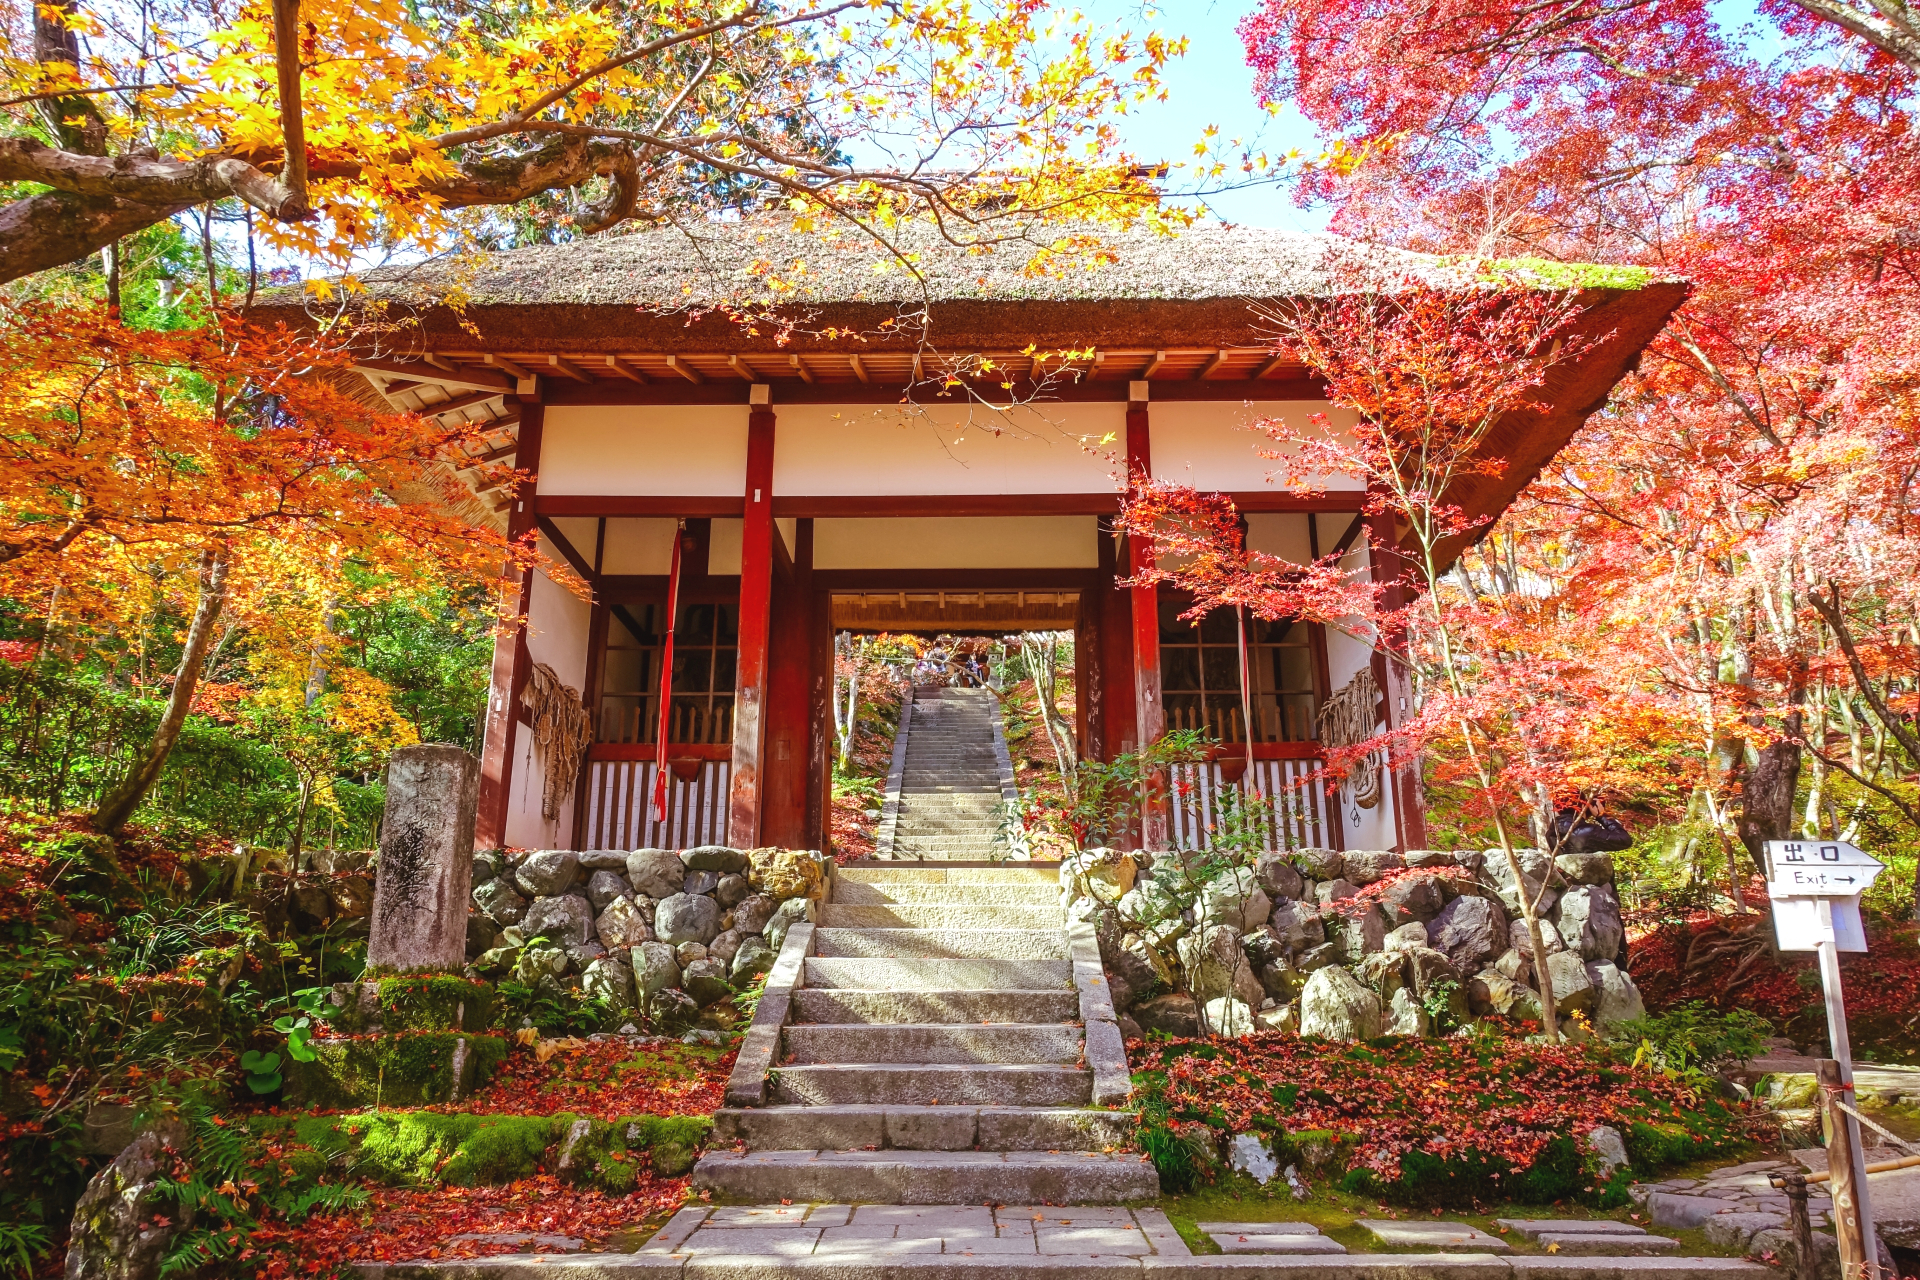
[
  {"x": 939, "y": 1037},
  {"x": 944, "y": 798}
]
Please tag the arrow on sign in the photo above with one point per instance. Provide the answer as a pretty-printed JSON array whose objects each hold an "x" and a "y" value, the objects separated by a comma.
[{"x": 1818, "y": 869}]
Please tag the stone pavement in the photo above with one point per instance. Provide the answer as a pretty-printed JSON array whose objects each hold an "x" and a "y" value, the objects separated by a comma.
[
  {"x": 945, "y": 794},
  {"x": 1730, "y": 1205}
]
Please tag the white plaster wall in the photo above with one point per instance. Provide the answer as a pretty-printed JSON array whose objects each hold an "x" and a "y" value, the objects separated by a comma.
[
  {"x": 558, "y": 623},
  {"x": 638, "y": 546},
  {"x": 1281, "y": 533},
  {"x": 957, "y": 542},
  {"x": 674, "y": 450},
  {"x": 723, "y": 548},
  {"x": 852, "y": 449},
  {"x": 1215, "y": 444}
]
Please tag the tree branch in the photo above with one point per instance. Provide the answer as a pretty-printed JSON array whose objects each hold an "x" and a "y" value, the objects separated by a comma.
[
  {"x": 1829, "y": 610},
  {"x": 1903, "y": 46},
  {"x": 293, "y": 125},
  {"x": 147, "y": 179}
]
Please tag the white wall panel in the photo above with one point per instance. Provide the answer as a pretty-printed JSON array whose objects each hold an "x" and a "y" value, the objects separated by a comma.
[
  {"x": 957, "y": 542},
  {"x": 825, "y": 450},
  {"x": 1216, "y": 444},
  {"x": 644, "y": 449},
  {"x": 1281, "y": 533},
  {"x": 558, "y": 623},
  {"x": 638, "y": 546}
]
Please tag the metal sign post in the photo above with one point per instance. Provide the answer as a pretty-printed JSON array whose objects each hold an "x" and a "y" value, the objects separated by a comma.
[{"x": 1815, "y": 887}]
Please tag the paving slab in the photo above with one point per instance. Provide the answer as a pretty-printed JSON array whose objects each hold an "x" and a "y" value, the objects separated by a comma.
[
  {"x": 1091, "y": 1241},
  {"x": 929, "y": 1178},
  {"x": 1433, "y": 1235},
  {"x": 1531, "y": 1227},
  {"x": 1605, "y": 1244},
  {"x": 927, "y": 1084},
  {"x": 1166, "y": 1242},
  {"x": 1671, "y": 1209},
  {"x": 1542, "y": 1266},
  {"x": 1270, "y": 1237}
]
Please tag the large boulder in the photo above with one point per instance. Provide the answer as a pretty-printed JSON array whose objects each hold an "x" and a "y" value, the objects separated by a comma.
[
  {"x": 686, "y": 917},
  {"x": 655, "y": 968},
  {"x": 1467, "y": 931},
  {"x": 603, "y": 859},
  {"x": 1361, "y": 933},
  {"x": 731, "y": 890},
  {"x": 125, "y": 1222},
  {"x": 751, "y": 913},
  {"x": 622, "y": 925},
  {"x": 547, "y": 873},
  {"x": 1521, "y": 938},
  {"x": 1412, "y": 899},
  {"x": 1229, "y": 1017},
  {"x": 1406, "y": 1015},
  {"x": 724, "y": 947},
  {"x": 539, "y": 963},
  {"x": 1497, "y": 874},
  {"x": 716, "y": 858},
  {"x": 655, "y": 873},
  {"x": 1364, "y": 866},
  {"x": 609, "y": 980},
  {"x": 1148, "y": 903},
  {"x": 1234, "y": 899},
  {"x": 706, "y": 981},
  {"x": 788, "y": 873},
  {"x": 604, "y": 886},
  {"x": 1132, "y": 963},
  {"x": 565, "y": 920},
  {"x": 1589, "y": 921},
  {"x": 1335, "y": 1005},
  {"x": 1406, "y": 937},
  {"x": 1327, "y": 891},
  {"x": 1172, "y": 1015},
  {"x": 1297, "y": 926},
  {"x": 1105, "y": 875},
  {"x": 1572, "y": 988},
  {"x": 753, "y": 958},
  {"x": 700, "y": 882},
  {"x": 789, "y": 913},
  {"x": 500, "y": 902},
  {"x": 1585, "y": 868},
  {"x": 1217, "y": 965},
  {"x": 1279, "y": 877},
  {"x": 1615, "y": 997},
  {"x": 1320, "y": 864}
]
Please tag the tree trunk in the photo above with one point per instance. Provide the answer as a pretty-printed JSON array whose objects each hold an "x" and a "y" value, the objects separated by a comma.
[
  {"x": 1766, "y": 802},
  {"x": 120, "y": 802}
]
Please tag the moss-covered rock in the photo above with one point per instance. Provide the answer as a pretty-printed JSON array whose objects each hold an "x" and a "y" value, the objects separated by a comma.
[
  {"x": 411, "y": 1002},
  {"x": 404, "y": 1070},
  {"x": 424, "y": 1148}
]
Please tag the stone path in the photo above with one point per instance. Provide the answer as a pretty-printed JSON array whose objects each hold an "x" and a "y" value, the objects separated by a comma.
[
  {"x": 1730, "y": 1205},
  {"x": 887, "y": 1231},
  {"x": 949, "y": 1042},
  {"x": 945, "y": 793}
]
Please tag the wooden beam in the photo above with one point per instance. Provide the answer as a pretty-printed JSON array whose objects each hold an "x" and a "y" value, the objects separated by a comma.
[
  {"x": 1153, "y": 365},
  {"x": 741, "y": 367},
  {"x": 567, "y": 549},
  {"x": 1269, "y": 367},
  {"x": 859, "y": 368},
  {"x": 440, "y": 362},
  {"x": 1150, "y": 717},
  {"x": 799, "y": 366},
  {"x": 468, "y": 379},
  {"x": 684, "y": 369},
  {"x": 511, "y": 664},
  {"x": 625, "y": 370},
  {"x": 508, "y": 366},
  {"x": 559, "y": 365},
  {"x": 467, "y": 401},
  {"x": 506, "y": 450},
  {"x": 1214, "y": 366}
]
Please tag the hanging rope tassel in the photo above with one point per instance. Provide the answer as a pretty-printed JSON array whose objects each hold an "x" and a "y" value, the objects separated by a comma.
[
  {"x": 562, "y": 732},
  {"x": 1346, "y": 720}
]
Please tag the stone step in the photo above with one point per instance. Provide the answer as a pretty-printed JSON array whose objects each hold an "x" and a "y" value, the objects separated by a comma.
[
  {"x": 852, "y": 1127},
  {"x": 1007, "y": 893},
  {"x": 928, "y": 1177},
  {"x": 928, "y": 1084},
  {"x": 953, "y": 1044},
  {"x": 870, "y": 974},
  {"x": 943, "y": 944},
  {"x": 921, "y": 1007},
  {"x": 876, "y": 873},
  {"x": 938, "y": 915}
]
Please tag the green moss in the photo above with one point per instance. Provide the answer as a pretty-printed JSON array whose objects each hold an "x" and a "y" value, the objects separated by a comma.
[
  {"x": 394, "y": 1070},
  {"x": 435, "y": 1002},
  {"x": 1548, "y": 274}
]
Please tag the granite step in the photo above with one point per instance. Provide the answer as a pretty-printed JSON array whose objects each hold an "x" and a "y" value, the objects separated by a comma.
[
  {"x": 867, "y": 974},
  {"x": 929, "y": 1084},
  {"x": 942, "y": 944},
  {"x": 852, "y": 1126},
  {"x": 923, "y": 1007},
  {"x": 1047, "y": 874},
  {"x": 1011, "y": 894},
  {"x": 938, "y": 915},
  {"x": 929, "y": 1177},
  {"x": 950, "y": 1043}
]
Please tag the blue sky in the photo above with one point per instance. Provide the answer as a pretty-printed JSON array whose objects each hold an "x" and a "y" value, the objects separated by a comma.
[{"x": 1213, "y": 85}]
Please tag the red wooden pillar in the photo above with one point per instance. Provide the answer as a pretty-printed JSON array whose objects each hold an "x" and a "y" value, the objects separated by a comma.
[
  {"x": 510, "y": 659},
  {"x": 1150, "y": 719},
  {"x": 1385, "y": 563},
  {"x": 756, "y": 607}
]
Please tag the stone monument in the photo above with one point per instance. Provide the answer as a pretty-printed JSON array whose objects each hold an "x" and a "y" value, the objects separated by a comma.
[{"x": 426, "y": 862}]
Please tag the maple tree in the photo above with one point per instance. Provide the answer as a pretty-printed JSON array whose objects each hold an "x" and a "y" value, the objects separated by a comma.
[
  {"x": 1743, "y": 513},
  {"x": 1503, "y": 698},
  {"x": 223, "y": 478},
  {"x": 349, "y": 125}
]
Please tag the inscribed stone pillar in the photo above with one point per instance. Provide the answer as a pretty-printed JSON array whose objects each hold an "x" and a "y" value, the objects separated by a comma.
[{"x": 426, "y": 861}]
